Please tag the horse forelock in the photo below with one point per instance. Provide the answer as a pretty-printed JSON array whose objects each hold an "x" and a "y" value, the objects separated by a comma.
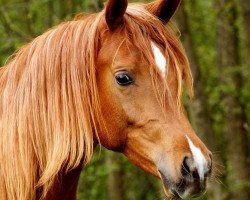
[{"x": 49, "y": 105}]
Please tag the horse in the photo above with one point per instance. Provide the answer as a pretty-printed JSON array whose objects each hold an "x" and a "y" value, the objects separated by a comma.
[{"x": 112, "y": 78}]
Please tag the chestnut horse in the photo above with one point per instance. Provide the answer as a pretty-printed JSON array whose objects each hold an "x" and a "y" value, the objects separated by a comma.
[{"x": 113, "y": 78}]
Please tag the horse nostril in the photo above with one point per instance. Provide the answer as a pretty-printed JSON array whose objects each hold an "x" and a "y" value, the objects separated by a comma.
[
  {"x": 185, "y": 170},
  {"x": 194, "y": 177},
  {"x": 188, "y": 172}
]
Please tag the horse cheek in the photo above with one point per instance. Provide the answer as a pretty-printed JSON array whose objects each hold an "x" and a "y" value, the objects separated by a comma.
[{"x": 111, "y": 134}]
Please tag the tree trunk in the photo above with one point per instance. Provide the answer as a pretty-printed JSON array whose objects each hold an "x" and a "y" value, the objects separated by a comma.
[
  {"x": 115, "y": 187},
  {"x": 231, "y": 77},
  {"x": 245, "y": 11},
  {"x": 199, "y": 112}
]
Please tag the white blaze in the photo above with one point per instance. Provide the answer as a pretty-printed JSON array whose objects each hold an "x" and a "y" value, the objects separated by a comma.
[
  {"x": 200, "y": 161},
  {"x": 160, "y": 59}
]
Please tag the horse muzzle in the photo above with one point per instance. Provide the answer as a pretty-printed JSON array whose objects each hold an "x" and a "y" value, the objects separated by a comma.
[{"x": 191, "y": 184}]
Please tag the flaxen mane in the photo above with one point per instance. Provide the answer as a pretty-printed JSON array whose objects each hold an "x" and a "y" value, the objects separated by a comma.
[{"x": 49, "y": 105}]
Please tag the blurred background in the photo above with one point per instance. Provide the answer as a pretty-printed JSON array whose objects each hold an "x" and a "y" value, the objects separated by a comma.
[{"x": 216, "y": 36}]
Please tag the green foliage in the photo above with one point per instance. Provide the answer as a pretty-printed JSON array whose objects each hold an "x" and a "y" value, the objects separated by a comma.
[
  {"x": 23, "y": 20},
  {"x": 94, "y": 179},
  {"x": 136, "y": 184}
]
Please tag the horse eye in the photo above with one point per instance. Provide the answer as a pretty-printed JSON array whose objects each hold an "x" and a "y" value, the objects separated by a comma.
[{"x": 123, "y": 79}]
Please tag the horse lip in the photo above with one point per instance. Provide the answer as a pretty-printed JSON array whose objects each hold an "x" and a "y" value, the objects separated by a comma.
[
  {"x": 169, "y": 185},
  {"x": 166, "y": 181},
  {"x": 176, "y": 195},
  {"x": 176, "y": 190}
]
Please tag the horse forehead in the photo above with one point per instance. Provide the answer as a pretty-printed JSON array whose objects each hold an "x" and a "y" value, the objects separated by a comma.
[
  {"x": 125, "y": 53},
  {"x": 121, "y": 53}
]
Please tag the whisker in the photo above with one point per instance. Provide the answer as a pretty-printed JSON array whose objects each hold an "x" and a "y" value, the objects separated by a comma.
[{"x": 217, "y": 164}]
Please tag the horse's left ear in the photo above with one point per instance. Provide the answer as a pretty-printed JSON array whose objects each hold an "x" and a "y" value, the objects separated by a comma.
[
  {"x": 114, "y": 13},
  {"x": 163, "y": 9}
]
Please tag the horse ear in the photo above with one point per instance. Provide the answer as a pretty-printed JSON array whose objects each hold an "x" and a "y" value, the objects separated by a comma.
[
  {"x": 163, "y": 9},
  {"x": 114, "y": 13}
]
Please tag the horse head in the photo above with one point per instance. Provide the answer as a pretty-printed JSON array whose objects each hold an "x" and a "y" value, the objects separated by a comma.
[
  {"x": 113, "y": 78},
  {"x": 141, "y": 65}
]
